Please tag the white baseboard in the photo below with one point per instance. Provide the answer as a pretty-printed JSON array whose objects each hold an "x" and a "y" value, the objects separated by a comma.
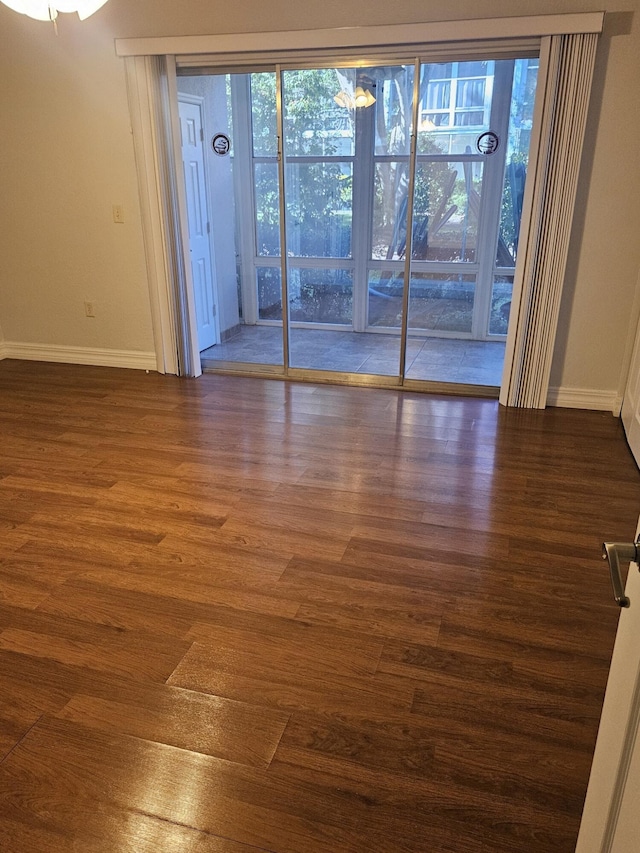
[
  {"x": 564, "y": 398},
  {"x": 79, "y": 355},
  {"x": 585, "y": 398}
]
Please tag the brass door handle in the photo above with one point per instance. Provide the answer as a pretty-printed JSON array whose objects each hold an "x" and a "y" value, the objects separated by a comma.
[{"x": 614, "y": 552}]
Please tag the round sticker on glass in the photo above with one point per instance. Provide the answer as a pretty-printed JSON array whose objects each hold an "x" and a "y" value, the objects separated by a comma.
[
  {"x": 221, "y": 144},
  {"x": 487, "y": 143}
]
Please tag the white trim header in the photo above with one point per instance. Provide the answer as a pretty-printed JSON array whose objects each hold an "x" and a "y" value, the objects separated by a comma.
[{"x": 360, "y": 37}]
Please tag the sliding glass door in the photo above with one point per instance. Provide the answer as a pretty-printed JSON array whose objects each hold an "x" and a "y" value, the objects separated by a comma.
[
  {"x": 319, "y": 155},
  {"x": 394, "y": 217}
]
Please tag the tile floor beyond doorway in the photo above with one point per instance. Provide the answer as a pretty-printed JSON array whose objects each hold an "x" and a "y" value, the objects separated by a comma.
[{"x": 433, "y": 359}]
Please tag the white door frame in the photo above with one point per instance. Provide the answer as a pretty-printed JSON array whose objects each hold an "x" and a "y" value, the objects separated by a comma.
[
  {"x": 153, "y": 107},
  {"x": 148, "y": 102},
  {"x": 189, "y": 352}
]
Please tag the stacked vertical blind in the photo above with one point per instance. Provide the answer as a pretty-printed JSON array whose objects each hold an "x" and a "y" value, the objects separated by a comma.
[{"x": 555, "y": 181}]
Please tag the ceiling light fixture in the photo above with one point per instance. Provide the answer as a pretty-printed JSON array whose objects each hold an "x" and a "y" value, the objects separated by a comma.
[
  {"x": 363, "y": 97},
  {"x": 47, "y": 10},
  {"x": 360, "y": 98},
  {"x": 344, "y": 99}
]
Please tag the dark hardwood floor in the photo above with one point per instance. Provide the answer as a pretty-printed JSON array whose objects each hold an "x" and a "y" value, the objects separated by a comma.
[{"x": 241, "y": 615}]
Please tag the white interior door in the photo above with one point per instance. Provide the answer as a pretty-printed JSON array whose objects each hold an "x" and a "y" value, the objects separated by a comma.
[
  {"x": 198, "y": 220},
  {"x": 611, "y": 817}
]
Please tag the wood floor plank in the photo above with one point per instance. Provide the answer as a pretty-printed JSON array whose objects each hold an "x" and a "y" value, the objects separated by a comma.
[
  {"x": 546, "y": 630},
  {"x": 296, "y": 649},
  {"x": 348, "y": 502},
  {"x": 439, "y": 813},
  {"x": 264, "y": 537},
  {"x": 26, "y": 583},
  {"x": 428, "y": 666},
  {"x": 439, "y": 755},
  {"x": 61, "y": 540},
  {"x": 244, "y": 804},
  {"x": 548, "y": 717},
  {"x": 129, "y": 658},
  {"x": 379, "y": 621},
  {"x": 382, "y": 573},
  {"x": 275, "y": 687},
  {"x": 164, "y": 503},
  {"x": 284, "y": 809},
  {"x": 239, "y": 615},
  {"x": 136, "y": 603},
  {"x": 140, "y": 654},
  {"x": 382, "y": 607},
  {"x": 210, "y": 725},
  {"x": 93, "y": 829}
]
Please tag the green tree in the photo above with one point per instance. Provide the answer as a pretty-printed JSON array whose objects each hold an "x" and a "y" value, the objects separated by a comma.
[{"x": 318, "y": 194}]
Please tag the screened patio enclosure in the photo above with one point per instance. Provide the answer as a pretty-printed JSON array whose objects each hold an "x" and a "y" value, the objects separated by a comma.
[{"x": 364, "y": 220}]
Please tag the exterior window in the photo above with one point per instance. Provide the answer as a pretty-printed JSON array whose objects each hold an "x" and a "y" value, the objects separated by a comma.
[{"x": 458, "y": 94}]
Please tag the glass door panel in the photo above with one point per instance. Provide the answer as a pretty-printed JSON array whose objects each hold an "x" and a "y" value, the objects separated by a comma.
[
  {"x": 385, "y": 292},
  {"x": 237, "y": 183},
  {"x": 525, "y": 75},
  {"x": 500, "y": 304},
  {"x": 262, "y": 107},
  {"x": 441, "y": 302},
  {"x": 346, "y": 167},
  {"x": 320, "y": 296},
  {"x": 390, "y": 191},
  {"x": 269, "y": 280},
  {"x": 319, "y": 209},
  {"x": 267, "y": 214},
  {"x": 455, "y": 106},
  {"x": 315, "y": 124},
  {"x": 255, "y": 104},
  {"x": 446, "y": 209},
  {"x": 319, "y": 158},
  {"x": 464, "y": 233},
  {"x": 389, "y": 138}
]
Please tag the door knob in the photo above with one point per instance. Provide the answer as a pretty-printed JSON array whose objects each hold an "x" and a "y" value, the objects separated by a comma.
[{"x": 614, "y": 552}]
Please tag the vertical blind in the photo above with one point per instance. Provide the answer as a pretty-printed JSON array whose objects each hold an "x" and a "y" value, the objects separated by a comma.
[{"x": 553, "y": 193}]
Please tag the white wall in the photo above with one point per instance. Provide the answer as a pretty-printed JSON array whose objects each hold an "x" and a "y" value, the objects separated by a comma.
[
  {"x": 596, "y": 313},
  {"x": 67, "y": 157}
]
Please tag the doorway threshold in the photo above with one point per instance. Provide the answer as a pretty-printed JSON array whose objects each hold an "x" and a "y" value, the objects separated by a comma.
[{"x": 445, "y": 365}]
